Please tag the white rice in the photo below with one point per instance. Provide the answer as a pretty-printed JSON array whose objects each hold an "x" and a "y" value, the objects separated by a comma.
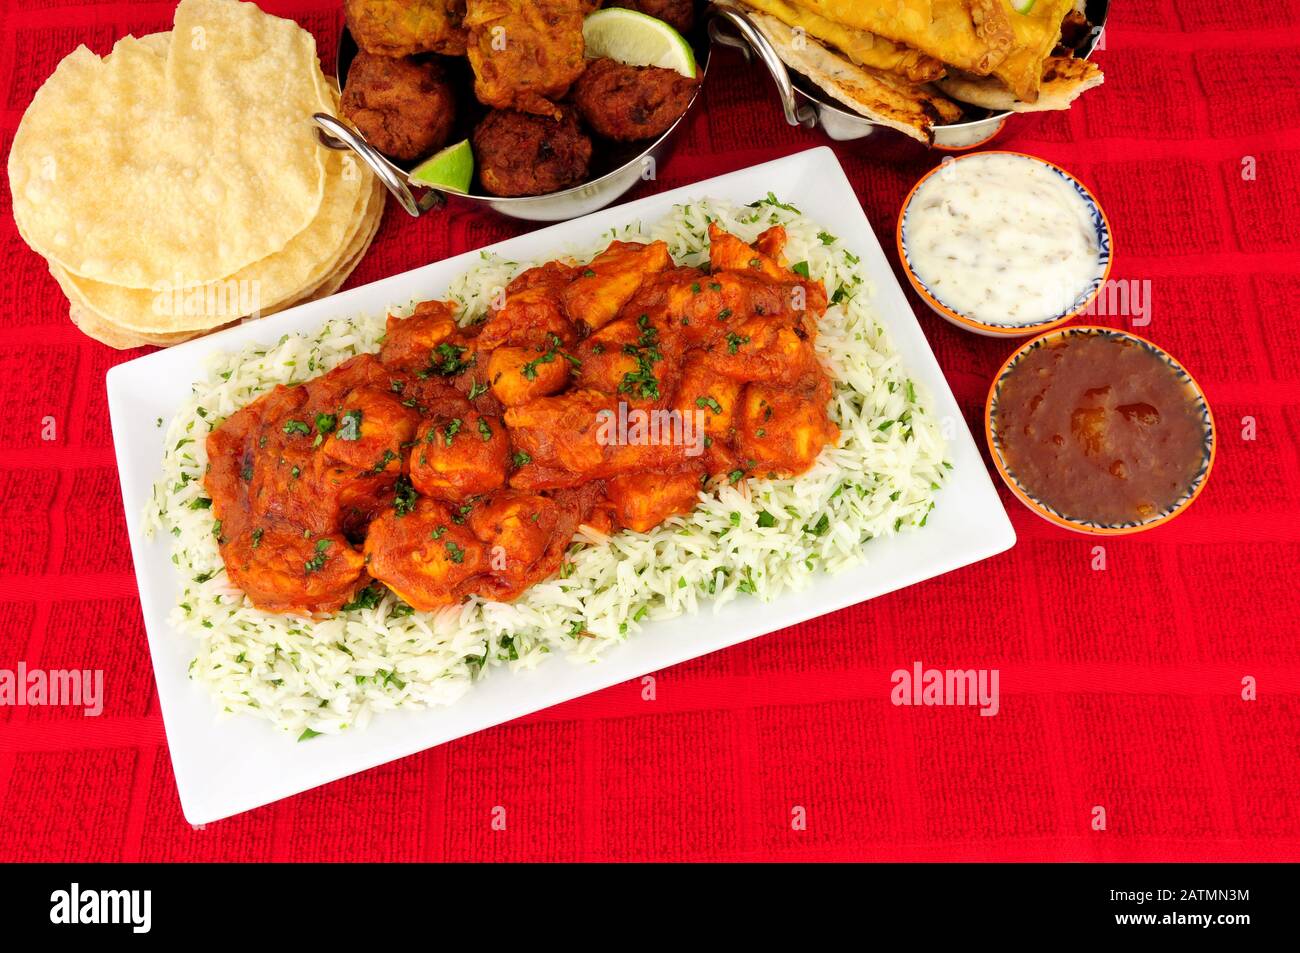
[{"x": 327, "y": 676}]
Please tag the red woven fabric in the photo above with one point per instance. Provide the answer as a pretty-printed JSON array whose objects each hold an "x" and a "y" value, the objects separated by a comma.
[{"x": 1121, "y": 687}]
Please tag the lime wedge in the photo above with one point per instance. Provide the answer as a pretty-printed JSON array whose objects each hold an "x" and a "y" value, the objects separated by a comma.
[
  {"x": 450, "y": 168},
  {"x": 1022, "y": 6},
  {"x": 636, "y": 39}
]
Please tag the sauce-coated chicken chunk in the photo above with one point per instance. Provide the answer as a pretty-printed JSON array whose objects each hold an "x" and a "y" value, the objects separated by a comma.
[
  {"x": 425, "y": 555},
  {"x": 459, "y": 457}
]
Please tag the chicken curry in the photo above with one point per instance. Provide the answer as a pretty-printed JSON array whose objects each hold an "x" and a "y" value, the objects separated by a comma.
[{"x": 461, "y": 461}]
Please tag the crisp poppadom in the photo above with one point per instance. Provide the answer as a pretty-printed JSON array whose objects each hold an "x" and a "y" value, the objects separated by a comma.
[{"x": 130, "y": 169}]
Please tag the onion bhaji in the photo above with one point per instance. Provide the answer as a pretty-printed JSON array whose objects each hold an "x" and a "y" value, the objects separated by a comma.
[
  {"x": 406, "y": 27},
  {"x": 679, "y": 14},
  {"x": 522, "y": 154},
  {"x": 525, "y": 53},
  {"x": 631, "y": 102},
  {"x": 403, "y": 106}
]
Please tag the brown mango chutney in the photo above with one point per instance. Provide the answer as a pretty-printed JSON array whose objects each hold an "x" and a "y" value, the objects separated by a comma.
[{"x": 1100, "y": 428}]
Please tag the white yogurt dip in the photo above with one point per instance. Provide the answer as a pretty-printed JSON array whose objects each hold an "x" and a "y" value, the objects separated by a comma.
[{"x": 1002, "y": 239}]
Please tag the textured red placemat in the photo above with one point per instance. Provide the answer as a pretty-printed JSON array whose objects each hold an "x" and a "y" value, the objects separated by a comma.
[{"x": 1121, "y": 687}]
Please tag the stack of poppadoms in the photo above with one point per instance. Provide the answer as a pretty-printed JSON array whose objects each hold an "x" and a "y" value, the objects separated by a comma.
[
  {"x": 915, "y": 64},
  {"x": 176, "y": 185}
]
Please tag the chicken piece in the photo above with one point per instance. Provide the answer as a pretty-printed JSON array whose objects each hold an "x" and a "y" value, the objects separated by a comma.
[
  {"x": 531, "y": 313},
  {"x": 729, "y": 253},
  {"x": 241, "y": 448},
  {"x": 231, "y": 457},
  {"x": 404, "y": 106},
  {"x": 638, "y": 360},
  {"x": 771, "y": 243},
  {"x": 520, "y": 531},
  {"x": 781, "y": 430},
  {"x": 642, "y": 501},
  {"x": 519, "y": 154},
  {"x": 708, "y": 397},
  {"x": 424, "y": 555},
  {"x": 520, "y": 374},
  {"x": 281, "y": 570},
  {"x": 288, "y": 486},
  {"x": 370, "y": 431},
  {"x": 610, "y": 279},
  {"x": 525, "y": 53},
  {"x": 456, "y": 458},
  {"x": 325, "y": 392},
  {"x": 409, "y": 342},
  {"x": 626, "y": 103},
  {"x": 604, "y": 361},
  {"x": 702, "y": 309},
  {"x": 559, "y": 434},
  {"x": 404, "y": 27},
  {"x": 762, "y": 349},
  {"x": 574, "y": 438}
]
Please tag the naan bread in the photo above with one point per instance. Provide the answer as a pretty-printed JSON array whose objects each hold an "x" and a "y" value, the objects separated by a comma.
[
  {"x": 1036, "y": 34},
  {"x": 972, "y": 35},
  {"x": 1063, "y": 80},
  {"x": 882, "y": 97},
  {"x": 863, "y": 48}
]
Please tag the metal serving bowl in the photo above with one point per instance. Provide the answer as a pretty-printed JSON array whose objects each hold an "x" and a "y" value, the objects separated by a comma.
[
  {"x": 615, "y": 166},
  {"x": 806, "y": 104}
]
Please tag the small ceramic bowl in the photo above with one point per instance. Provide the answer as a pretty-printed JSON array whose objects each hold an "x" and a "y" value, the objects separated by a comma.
[
  {"x": 1080, "y": 305},
  {"x": 1044, "y": 509}
]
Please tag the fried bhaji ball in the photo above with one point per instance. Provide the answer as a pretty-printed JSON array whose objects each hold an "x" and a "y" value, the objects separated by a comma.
[
  {"x": 631, "y": 102},
  {"x": 679, "y": 14},
  {"x": 522, "y": 154},
  {"x": 403, "y": 106},
  {"x": 406, "y": 27}
]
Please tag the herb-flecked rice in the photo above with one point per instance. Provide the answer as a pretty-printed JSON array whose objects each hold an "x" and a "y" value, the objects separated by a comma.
[{"x": 757, "y": 539}]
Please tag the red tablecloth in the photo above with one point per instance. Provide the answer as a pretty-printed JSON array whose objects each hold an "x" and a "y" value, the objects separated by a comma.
[{"x": 1121, "y": 687}]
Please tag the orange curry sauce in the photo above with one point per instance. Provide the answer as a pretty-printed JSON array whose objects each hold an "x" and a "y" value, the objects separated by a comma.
[
  {"x": 461, "y": 461},
  {"x": 1100, "y": 428}
]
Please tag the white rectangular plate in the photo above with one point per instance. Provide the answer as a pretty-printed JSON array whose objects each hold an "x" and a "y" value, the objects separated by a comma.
[{"x": 227, "y": 766}]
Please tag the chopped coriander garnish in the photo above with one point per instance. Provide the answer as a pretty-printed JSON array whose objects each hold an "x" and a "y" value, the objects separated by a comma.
[
  {"x": 404, "y": 496},
  {"x": 317, "y": 562},
  {"x": 450, "y": 431},
  {"x": 367, "y": 598}
]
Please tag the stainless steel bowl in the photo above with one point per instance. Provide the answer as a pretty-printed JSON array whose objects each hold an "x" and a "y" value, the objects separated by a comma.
[
  {"x": 617, "y": 166},
  {"x": 806, "y": 104}
]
